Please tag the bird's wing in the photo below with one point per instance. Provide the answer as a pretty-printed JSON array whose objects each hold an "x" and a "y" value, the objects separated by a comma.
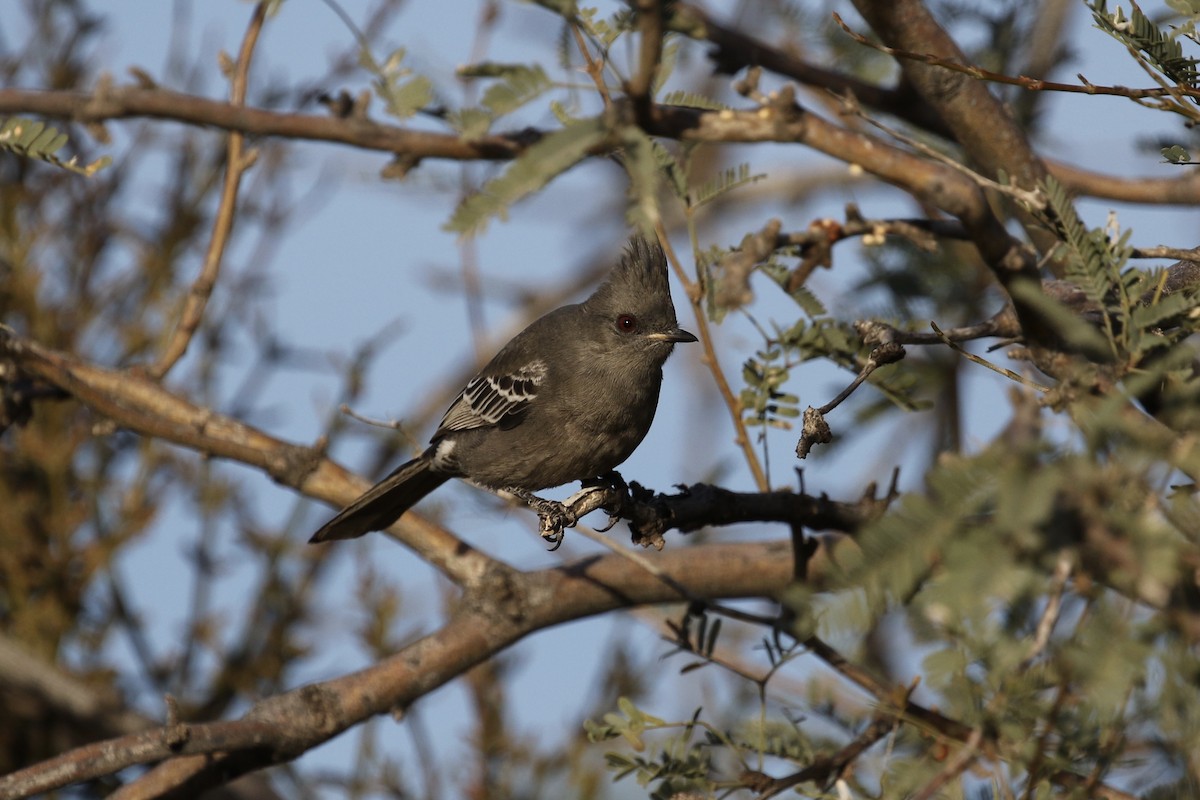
[{"x": 492, "y": 399}]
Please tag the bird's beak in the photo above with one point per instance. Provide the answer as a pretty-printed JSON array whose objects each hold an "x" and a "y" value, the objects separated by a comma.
[{"x": 676, "y": 335}]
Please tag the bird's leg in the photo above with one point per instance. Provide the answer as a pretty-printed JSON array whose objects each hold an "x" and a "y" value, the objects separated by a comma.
[{"x": 553, "y": 515}]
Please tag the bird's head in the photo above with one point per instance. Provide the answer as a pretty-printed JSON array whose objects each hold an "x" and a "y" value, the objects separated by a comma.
[{"x": 633, "y": 308}]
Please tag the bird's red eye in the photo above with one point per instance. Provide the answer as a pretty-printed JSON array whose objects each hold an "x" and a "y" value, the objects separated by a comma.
[{"x": 627, "y": 323}]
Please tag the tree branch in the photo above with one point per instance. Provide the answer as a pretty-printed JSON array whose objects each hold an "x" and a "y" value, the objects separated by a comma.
[
  {"x": 280, "y": 728},
  {"x": 237, "y": 162},
  {"x": 734, "y": 50},
  {"x": 125, "y": 102},
  {"x": 146, "y": 407}
]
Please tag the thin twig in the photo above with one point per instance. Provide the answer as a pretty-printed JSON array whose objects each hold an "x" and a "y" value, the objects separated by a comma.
[
  {"x": 236, "y": 163},
  {"x": 1008, "y": 373},
  {"x": 1162, "y": 251},
  {"x": 390, "y": 424},
  {"x": 1021, "y": 81},
  {"x": 823, "y": 767},
  {"x": 1034, "y": 199},
  {"x": 881, "y": 356},
  {"x": 714, "y": 366},
  {"x": 1174, "y": 91},
  {"x": 594, "y": 68},
  {"x": 1045, "y": 626}
]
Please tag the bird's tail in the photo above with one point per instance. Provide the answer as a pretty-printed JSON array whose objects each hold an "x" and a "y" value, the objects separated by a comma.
[{"x": 383, "y": 503}]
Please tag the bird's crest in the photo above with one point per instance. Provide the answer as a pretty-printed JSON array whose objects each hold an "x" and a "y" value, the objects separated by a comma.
[{"x": 641, "y": 274}]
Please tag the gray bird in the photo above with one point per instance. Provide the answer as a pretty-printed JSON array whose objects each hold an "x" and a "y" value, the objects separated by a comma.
[{"x": 568, "y": 399}]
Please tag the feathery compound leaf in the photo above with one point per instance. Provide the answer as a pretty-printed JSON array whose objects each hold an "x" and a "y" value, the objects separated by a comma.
[
  {"x": 692, "y": 100},
  {"x": 606, "y": 31},
  {"x": 1152, "y": 315},
  {"x": 26, "y": 132},
  {"x": 471, "y": 123},
  {"x": 674, "y": 171},
  {"x": 899, "y": 549},
  {"x": 782, "y": 275},
  {"x": 808, "y": 302},
  {"x": 723, "y": 182},
  {"x": 564, "y": 46},
  {"x": 518, "y": 85},
  {"x": 554, "y": 154},
  {"x": 1138, "y": 32},
  {"x": 408, "y": 97},
  {"x": 1088, "y": 255},
  {"x": 562, "y": 114},
  {"x": 1094, "y": 263},
  {"x": 403, "y": 92},
  {"x": 32, "y": 139},
  {"x": 1176, "y": 154}
]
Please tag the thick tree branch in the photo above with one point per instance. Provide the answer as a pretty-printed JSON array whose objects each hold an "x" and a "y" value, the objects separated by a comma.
[
  {"x": 650, "y": 28},
  {"x": 735, "y": 50},
  {"x": 1184, "y": 189},
  {"x": 146, "y": 407},
  {"x": 1011, "y": 260},
  {"x": 984, "y": 128},
  {"x": 979, "y": 122},
  {"x": 500, "y": 609},
  {"x": 133, "y": 102},
  {"x": 125, "y": 102}
]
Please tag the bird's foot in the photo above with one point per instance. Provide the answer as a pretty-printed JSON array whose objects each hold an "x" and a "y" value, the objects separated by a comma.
[
  {"x": 610, "y": 480},
  {"x": 554, "y": 517},
  {"x": 580, "y": 500}
]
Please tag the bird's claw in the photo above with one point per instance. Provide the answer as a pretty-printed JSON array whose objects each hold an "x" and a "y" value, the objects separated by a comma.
[
  {"x": 554, "y": 518},
  {"x": 613, "y": 519}
]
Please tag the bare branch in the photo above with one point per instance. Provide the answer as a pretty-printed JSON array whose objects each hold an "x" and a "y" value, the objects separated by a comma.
[
  {"x": 704, "y": 332},
  {"x": 144, "y": 406},
  {"x": 280, "y": 728},
  {"x": 155, "y": 103},
  {"x": 237, "y": 161}
]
